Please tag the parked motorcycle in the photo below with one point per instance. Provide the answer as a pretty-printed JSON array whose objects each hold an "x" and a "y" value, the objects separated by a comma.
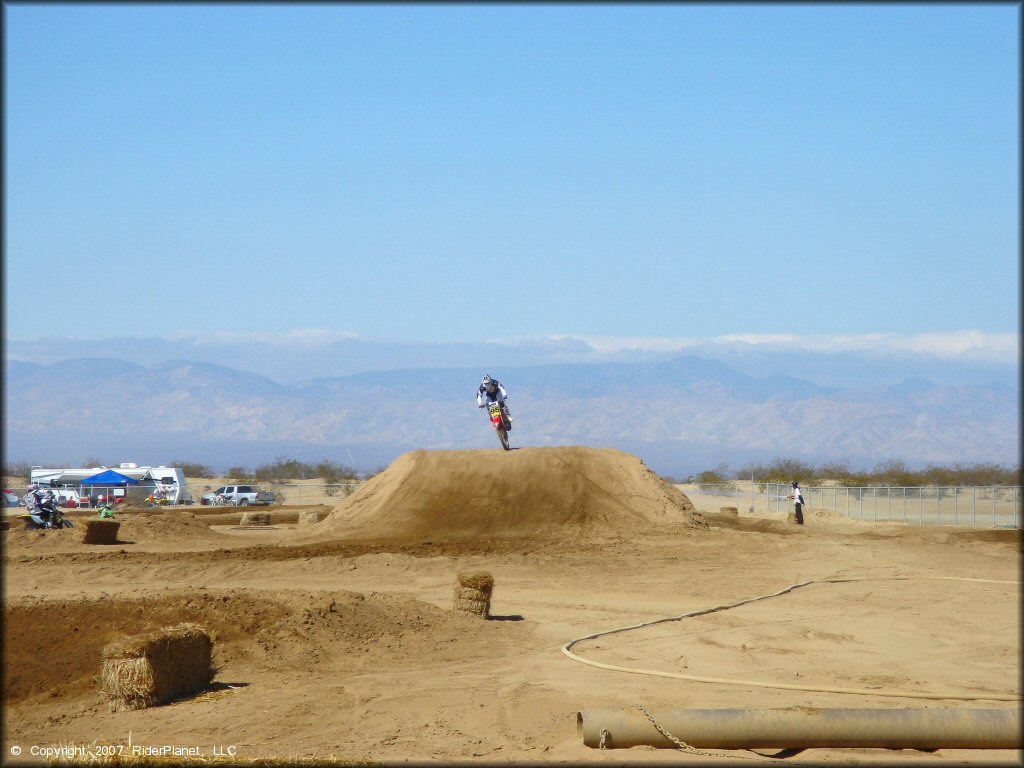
[
  {"x": 499, "y": 418},
  {"x": 34, "y": 520}
]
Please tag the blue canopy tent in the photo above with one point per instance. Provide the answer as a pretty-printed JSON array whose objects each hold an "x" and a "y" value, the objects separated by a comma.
[
  {"x": 109, "y": 477},
  {"x": 109, "y": 480}
]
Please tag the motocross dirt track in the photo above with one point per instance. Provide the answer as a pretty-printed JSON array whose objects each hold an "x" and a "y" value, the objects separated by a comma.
[{"x": 337, "y": 639}]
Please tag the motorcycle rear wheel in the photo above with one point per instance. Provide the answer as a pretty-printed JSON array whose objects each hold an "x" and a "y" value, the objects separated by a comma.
[{"x": 31, "y": 526}]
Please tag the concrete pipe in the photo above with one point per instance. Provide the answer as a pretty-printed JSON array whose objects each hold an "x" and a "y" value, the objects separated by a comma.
[{"x": 805, "y": 728}]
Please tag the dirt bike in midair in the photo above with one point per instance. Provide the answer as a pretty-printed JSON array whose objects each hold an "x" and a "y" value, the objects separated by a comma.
[{"x": 499, "y": 418}]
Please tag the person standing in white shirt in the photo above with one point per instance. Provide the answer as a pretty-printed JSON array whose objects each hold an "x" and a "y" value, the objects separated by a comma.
[{"x": 798, "y": 502}]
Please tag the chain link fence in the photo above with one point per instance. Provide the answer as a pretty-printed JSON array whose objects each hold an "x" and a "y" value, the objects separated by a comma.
[{"x": 961, "y": 506}]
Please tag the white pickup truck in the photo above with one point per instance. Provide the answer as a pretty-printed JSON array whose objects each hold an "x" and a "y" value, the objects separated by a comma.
[{"x": 238, "y": 496}]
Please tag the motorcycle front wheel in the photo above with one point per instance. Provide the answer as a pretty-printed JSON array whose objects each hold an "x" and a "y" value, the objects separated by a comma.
[{"x": 503, "y": 438}]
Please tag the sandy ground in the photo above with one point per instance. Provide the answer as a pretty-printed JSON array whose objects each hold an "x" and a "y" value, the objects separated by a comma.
[{"x": 338, "y": 639}]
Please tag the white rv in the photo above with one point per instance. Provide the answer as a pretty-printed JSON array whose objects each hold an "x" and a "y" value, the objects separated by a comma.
[{"x": 170, "y": 479}]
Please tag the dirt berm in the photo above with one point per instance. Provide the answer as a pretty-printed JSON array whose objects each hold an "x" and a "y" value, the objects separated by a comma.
[{"x": 528, "y": 492}]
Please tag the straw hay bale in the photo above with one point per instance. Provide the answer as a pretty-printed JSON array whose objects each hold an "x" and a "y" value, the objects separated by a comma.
[
  {"x": 473, "y": 592},
  {"x": 308, "y": 517},
  {"x": 256, "y": 518},
  {"x": 101, "y": 531},
  {"x": 154, "y": 668},
  {"x": 729, "y": 511}
]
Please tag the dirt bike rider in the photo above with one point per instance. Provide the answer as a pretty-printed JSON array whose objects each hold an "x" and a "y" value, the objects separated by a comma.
[
  {"x": 40, "y": 502},
  {"x": 491, "y": 391}
]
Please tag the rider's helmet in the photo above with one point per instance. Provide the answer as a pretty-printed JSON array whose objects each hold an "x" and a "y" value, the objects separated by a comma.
[
  {"x": 488, "y": 383},
  {"x": 32, "y": 487},
  {"x": 794, "y": 484}
]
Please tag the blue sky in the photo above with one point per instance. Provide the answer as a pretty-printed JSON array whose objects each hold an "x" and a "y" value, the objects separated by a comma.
[{"x": 435, "y": 172}]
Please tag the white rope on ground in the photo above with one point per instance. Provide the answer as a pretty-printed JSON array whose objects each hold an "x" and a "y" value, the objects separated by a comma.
[{"x": 957, "y": 695}]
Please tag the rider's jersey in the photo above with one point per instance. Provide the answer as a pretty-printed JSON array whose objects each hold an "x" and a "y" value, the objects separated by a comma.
[{"x": 483, "y": 396}]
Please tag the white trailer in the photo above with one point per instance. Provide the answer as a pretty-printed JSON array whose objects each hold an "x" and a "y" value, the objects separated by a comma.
[{"x": 170, "y": 479}]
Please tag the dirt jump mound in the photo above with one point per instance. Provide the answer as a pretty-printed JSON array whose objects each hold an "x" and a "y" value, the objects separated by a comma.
[{"x": 521, "y": 493}]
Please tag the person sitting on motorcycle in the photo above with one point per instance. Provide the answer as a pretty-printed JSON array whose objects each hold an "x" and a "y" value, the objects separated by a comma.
[
  {"x": 40, "y": 502},
  {"x": 492, "y": 391}
]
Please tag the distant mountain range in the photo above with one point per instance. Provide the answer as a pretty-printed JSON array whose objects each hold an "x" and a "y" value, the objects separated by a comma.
[{"x": 681, "y": 415}]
